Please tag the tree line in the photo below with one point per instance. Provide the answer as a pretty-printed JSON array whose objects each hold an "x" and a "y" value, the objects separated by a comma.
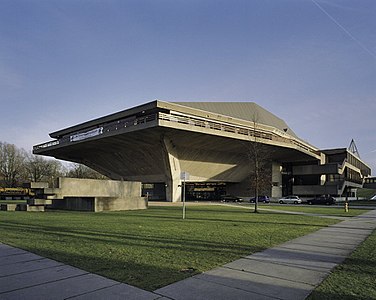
[{"x": 18, "y": 166}]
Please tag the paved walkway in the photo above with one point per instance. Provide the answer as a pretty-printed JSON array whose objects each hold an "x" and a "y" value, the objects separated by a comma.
[{"x": 288, "y": 271}]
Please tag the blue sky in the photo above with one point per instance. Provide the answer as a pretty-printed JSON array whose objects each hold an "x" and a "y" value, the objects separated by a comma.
[{"x": 310, "y": 62}]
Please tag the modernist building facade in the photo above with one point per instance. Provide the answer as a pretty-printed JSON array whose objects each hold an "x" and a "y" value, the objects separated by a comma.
[{"x": 155, "y": 143}]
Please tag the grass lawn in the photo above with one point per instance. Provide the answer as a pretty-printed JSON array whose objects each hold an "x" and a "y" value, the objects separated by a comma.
[
  {"x": 355, "y": 278},
  {"x": 366, "y": 193},
  {"x": 363, "y": 203},
  {"x": 152, "y": 248}
]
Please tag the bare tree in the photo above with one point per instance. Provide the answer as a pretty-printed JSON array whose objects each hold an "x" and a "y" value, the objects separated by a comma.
[
  {"x": 11, "y": 164},
  {"x": 40, "y": 169},
  {"x": 82, "y": 171},
  {"x": 260, "y": 164}
]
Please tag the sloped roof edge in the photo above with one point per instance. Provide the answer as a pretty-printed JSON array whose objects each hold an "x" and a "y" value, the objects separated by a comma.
[{"x": 247, "y": 111}]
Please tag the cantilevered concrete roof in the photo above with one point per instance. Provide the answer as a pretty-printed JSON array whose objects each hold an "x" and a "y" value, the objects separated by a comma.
[
  {"x": 248, "y": 111},
  {"x": 242, "y": 111}
]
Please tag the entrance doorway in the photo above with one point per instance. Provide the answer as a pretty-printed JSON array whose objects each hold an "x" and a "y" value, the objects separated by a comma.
[{"x": 204, "y": 191}]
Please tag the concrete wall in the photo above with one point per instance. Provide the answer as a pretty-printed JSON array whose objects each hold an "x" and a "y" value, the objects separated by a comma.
[
  {"x": 315, "y": 169},
  {"x": 74, "y": 187},
  {"x": 98, "y": 195},
  {"x": 130, "y": 203},
  {"x": 74, "y": 203},
  {"x": 315, "y": 190}
]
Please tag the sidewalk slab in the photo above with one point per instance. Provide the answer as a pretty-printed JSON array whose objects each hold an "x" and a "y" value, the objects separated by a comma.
[
  {"x": 275, "y": 270},
  {"x": 299, "y": 255},
  {"x": 118, "y": 291},
  {"x": 349, "y": 231},
  {"x": 62, "y": 289},
  {"x": 320, "y": 266},
  {"x": 16, "y": 258},
  {"x": 328, "y": 241},
  {"x": 6, "y": 250},
  {"x": 258, "y": 284},
  {"x": 196, "y": 289},
  {"x": 32, "y": 278},
  {"x": 27, "y": 266},
  {"x": 318, "y": 249},
  {"x": 340, "y": 238}
]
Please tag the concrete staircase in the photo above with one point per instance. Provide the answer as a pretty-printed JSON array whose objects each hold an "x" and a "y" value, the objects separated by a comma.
[
  {"x": 23, "y": 206},
  {"x": 41, "y": 191}
]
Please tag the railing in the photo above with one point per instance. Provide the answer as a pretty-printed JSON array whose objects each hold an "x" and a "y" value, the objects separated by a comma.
[
  {"x": 46, "y": 145},
  {"x": 260, "y": 131},
  {"x": 105, "y": 128}
]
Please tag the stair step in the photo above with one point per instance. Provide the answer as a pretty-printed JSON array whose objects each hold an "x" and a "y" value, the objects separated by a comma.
[
  {"x": 27, "y": 207},
  {"x": 39, "y": 201}
]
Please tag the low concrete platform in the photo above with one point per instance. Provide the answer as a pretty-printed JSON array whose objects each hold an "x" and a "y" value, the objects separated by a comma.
[
  {"x": 27, "y": 207},
  {"x": 39, "y": 201},
  {"x": 288, "y": 271},
  {"x": 8, "y": 207}
]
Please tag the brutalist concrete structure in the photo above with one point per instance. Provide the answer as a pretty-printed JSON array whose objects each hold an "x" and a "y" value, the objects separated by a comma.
[
  {"x": 156, "y": 142},
  {"x": 92, "y": 195},
  {"x": 97, "y": 195}
]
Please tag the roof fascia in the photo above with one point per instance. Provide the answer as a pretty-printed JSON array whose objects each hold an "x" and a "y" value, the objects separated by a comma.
[{"x": 105, "y": 119}]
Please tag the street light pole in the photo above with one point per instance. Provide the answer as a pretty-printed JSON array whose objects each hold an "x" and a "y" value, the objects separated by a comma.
[
  {"x": 184, "y": 176},
  {"x": 184, "y": 198}
]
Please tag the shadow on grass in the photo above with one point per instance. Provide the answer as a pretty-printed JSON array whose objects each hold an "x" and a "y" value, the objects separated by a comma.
[
  {"x": 356, "y": 265},
  {"x": 128, "y": 240},
  {"x": 152, "y": 238}
]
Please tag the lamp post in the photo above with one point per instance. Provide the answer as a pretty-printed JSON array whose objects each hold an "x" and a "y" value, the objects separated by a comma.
[{"x": 184, "y": 176}]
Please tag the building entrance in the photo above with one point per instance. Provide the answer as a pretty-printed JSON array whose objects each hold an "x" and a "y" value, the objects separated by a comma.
[{"x": 204, "y": 191}]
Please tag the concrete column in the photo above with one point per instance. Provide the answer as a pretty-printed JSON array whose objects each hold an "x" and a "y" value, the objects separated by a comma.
[
  {"x": 173, "y": 190},
  {"x": 276, "y": 180},
  {"x": 322, "y": 162}
]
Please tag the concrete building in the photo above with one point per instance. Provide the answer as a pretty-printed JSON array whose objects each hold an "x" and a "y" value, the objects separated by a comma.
[{"x": 156, "y": 142}]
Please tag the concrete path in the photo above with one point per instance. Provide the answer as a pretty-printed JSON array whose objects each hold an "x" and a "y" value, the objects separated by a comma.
[
  {"x": 288, "y": 271},
  {"x": 24, "y": 275}
]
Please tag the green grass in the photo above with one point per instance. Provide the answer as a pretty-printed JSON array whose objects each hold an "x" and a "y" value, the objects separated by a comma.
[
  {"x": 366, "y": 193},
  {"x": 355, "y": 278},
  {"x": 363, "y": 203},
  {"x": 330, "y": 210},
  {"x": 152, "y": 248}
]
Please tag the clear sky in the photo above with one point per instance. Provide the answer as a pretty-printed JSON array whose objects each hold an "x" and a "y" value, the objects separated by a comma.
[{"x": 310, "y": 62}]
